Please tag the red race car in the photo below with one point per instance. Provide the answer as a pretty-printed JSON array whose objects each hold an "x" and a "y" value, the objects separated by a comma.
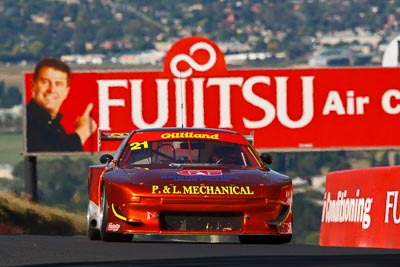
[{"x": 188, "y": 181}]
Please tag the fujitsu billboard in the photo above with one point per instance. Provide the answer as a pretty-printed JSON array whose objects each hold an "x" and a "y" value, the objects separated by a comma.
[{"x": 285, "y": 109}]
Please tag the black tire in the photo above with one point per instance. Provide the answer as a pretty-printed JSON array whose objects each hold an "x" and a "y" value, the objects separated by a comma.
[
  {"x": 265, "y": 239},
  {"x": 93, "y": 234},
  {"x": 111, "y": 237}
]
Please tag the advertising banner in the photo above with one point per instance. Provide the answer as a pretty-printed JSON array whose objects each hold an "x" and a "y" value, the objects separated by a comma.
[
  {"x": 360, "y": 208},
  {"x": 285, "y": 109}
]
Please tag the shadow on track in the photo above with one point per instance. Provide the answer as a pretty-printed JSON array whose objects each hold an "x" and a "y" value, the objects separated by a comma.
[{"x": 325, "y": 260}]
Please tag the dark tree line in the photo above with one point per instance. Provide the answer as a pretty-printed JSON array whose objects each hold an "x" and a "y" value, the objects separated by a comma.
[
  {"x": 58, "y": 186},
  {"x": 9, "y": 97}
]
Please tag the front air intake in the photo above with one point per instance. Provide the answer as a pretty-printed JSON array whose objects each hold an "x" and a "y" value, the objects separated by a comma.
[{"x": 201, "y": 221}]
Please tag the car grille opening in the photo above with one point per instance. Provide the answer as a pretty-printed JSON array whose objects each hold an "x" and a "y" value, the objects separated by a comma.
[{"x": 201, "y": 221}]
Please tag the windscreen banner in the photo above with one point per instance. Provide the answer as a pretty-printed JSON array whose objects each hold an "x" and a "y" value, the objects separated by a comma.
[
  {"x": 284, "y": 109},
  {"x": 360, "y": 208}
]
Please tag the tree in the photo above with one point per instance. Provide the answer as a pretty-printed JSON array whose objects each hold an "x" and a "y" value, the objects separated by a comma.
[
  {"x": 59, "y": 186},
  {"x": 12, "y": 97},
  {"x": 2, "y": 93},
  {"x": 306, "y": 216},
  {"x": 260, "y": 45},
  {"x": 9, "y": 97},
  {"x": 35, "y": 48}
]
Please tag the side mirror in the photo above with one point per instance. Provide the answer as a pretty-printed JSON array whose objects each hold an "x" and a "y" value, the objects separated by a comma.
[
  {"x": 267, "y": 158},
  {"x": 106, "y": 158}
]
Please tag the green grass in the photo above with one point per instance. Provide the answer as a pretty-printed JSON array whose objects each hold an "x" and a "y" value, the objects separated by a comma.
[{"x": 11, "y": 147}]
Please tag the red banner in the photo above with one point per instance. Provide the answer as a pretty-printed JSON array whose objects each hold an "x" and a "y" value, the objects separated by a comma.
[
  {"x": 360, "y": 208},
  {"x": 341, "y": 108}
]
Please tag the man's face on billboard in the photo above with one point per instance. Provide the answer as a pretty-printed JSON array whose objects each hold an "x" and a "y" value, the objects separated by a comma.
[{"x": 50, "y": 89}]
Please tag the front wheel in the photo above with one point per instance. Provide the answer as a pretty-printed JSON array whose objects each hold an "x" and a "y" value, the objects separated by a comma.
[{"x": 112, "y": 237}]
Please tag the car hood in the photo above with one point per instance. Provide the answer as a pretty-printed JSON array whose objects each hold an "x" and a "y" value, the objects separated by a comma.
[
  {"x": 211, "y": 181},
  {"x": 198, "y": 174}
]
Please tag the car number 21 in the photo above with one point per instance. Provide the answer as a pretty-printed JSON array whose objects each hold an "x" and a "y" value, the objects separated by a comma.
[{"x": 139, "y": 145}]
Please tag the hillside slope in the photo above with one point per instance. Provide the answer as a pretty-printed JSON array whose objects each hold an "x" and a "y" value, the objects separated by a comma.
[{"x": 19, "y": 216}]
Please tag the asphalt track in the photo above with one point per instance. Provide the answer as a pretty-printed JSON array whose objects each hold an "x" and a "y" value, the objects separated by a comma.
[{"x": 31, "y": 250}]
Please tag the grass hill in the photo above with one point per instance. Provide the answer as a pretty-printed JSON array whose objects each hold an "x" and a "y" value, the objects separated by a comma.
[{"x": 18, "y": 215}]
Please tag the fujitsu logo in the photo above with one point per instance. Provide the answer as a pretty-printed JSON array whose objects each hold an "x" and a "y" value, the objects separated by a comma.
[{"x": 193, "y": 64}]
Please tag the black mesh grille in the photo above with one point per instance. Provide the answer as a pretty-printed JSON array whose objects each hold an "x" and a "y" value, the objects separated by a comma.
[{"x": 201, "y": 221}]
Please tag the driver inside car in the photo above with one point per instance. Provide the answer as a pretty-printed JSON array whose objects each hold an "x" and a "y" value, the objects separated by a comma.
[{"x": 224, "y": 155}]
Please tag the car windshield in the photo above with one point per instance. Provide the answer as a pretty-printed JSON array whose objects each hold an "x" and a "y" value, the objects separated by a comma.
[{"x": 186, "y": 151}]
